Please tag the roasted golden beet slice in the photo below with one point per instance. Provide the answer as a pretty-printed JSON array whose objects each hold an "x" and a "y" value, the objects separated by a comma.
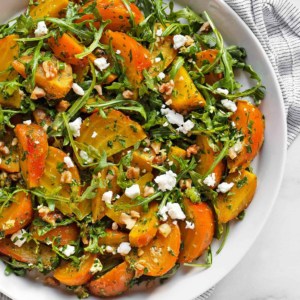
[
  {"x": 196, "y": 240},
  {"x": 113, "y": 283},
  {"x": 33, "y": 151},
  {"x": 71, "y": 275},
  {"x": 159, "y": 256},
  {"x": 230, "y": 205},
  {"x": 48, "y": 8},
  {"x": 249, "y": 119},
  {"x": 17, "y": 215}
]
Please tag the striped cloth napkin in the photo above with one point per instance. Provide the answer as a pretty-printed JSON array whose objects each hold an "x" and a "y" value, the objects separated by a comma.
[{"x": 276, "y": 24}]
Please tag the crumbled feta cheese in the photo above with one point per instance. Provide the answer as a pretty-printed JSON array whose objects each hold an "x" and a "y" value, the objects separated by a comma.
[
  {"x": 36, "y": 142},
  {"x": 98, "y": 88},
  {"x": 77, "y": 89},
  {"x": 101, "y": 63},
  {"x": 233, "y": 124},
  {"x": 114, "y": 226},
  {"x": 235, "y": 149},
  {"x": 18, "y": 238},
  {"x": 41, "y": 29},
  {"x": 85, "y": 157},
  {"x": 159, "y": 32},
  {"x": 67, "y": 250},
  {"x": 166, "y": 124},
  {"x": 133, "y": 191},
  {"x": 163, "y": 213},
  {"x": 27, "y": 122},
  {"x": 230, "y": 105},
  {"x": 127, "y": 220},
  {"x": 146, "y": 149},
  {"x": 157, "y": 59},
  {"x": 94, "y": 134},
  {"x": 68, "y": 161},
  {"x": 167, "y": 181},
  {"x": 225, "y": 187},
  {"x": 161, "y": 75},
  {"x": 75, "y": 127},
  {"x": 189, "y": 225},
  {"x": 172, "y": 116},
  {"x": 97, "y": 266},
  {"x": 222, "y": 91},
  {"x": 175, "y": 211},
  {"x": 124, "y": 248},
  {"x": 210, "y": 180},
  {"x": 109, "y": 249},
  {"x": 179, "y": 41},
  {"x": 186, "y": 127},
  {"x": 118, "y": 52},
  {"x": 107, "y": 197}
]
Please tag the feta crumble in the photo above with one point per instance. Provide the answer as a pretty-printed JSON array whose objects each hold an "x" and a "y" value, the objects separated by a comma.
[
  {"x": 97, "y": 266},
  {"x": 18, "y": 238},
  {"x": 114, "y": 226},
  {"x": 101, "y": 63},
  {"x": 133, "y": 191},
  {"x": 167, "y": 181},
  {"x": 41, "y": 29},
  {"x": 77, "y": 89},
  {"x": 98, "y": 88},
  {"x": 118, "y": 52},
  {"x": 68, "y": 161},
  {"x": 235, "y": 149},
  {"x": 222, "y": 91},
  {"x": 85, "y": 157},
  {"x": 189, "y": 225},
  {"x": 107, "y": 197},
  {"x": 75, "y": 127},
  {"x": 94, "y": 134},
  {"x": 228, "y": 104},
  {"x": 157, "y": 59},
  {"x": 161, "y": 75},
  {"x": 225, "y": 187},
  {"x": 67, "y": 250},
  {"x": 27, "y": 122},
  {"x": 179, "y": 41},
  {"x": 210, "y": 180},
  {"x": 175, "y": 211},
  {"x": 127, "y": 220},
  {"x": 172, "y": 116},
  {"x": 186, "y": 127},
  {"x": 159, "y": 32},
  {"x": 124, "y": 248}
]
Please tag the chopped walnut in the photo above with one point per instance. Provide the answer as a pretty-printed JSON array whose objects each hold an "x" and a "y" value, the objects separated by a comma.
[
  {"x": 4, "y": 149},
  {"x": 140, "y": 252},
  {"x": 189, "y": 41},
  {"x": 15, "y": 176},
  {"x": 127, "y": 220},
  {"x": 192, "y": 150},
  {"x": 37, "y": 93},
  {"x": 164, "y": 229},
  {"x": 14, "y": 142},
  {"x": 66, "y": 177},
  {"x": 185, "y": 184},
  {"x": 205, "y": 27},
  {"x": 133, "y": 173},
  {"x": 62, "y": 105},
  {"x": 49, "y": 216},
  {"x": 128, "y": 94},
  {"x": 166, "y": 89},
  {"x": 51, "y": 281},
  {"x": 159, "y": 160},
  {"x": 148, "y": 190},
  {"x": 156, "y": 146},
  {"x": 50, "y": 69},
  {"x": 135, "y": 214}
]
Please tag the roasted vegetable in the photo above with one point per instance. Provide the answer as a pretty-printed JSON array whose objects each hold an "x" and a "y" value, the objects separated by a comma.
[
  {"x": 33, "y": 151},
  {"x": 17, "y": 215},
  {"x": 48, "y": 8},
  {"x": 229, "y": 206}
]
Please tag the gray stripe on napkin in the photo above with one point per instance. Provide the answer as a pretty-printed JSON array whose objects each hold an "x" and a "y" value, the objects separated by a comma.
[{"x": 276, "y": 24}]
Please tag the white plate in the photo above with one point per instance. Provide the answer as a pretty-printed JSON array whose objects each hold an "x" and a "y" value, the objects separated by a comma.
[{"x": 190, "y": 283}]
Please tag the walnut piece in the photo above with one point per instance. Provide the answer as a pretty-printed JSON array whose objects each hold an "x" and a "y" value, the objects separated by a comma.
[
  {"x": 192, "y": 150},
  {"x": 50, "y": 69},
  {"x": 37, "y": 93}
]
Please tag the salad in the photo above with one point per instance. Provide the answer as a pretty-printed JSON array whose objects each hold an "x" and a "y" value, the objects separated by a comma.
[{"x": 126, "y": 142}]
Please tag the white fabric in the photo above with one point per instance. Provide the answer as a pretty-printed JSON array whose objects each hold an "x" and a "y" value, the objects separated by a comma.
[{"x": 276, "y": 24}]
